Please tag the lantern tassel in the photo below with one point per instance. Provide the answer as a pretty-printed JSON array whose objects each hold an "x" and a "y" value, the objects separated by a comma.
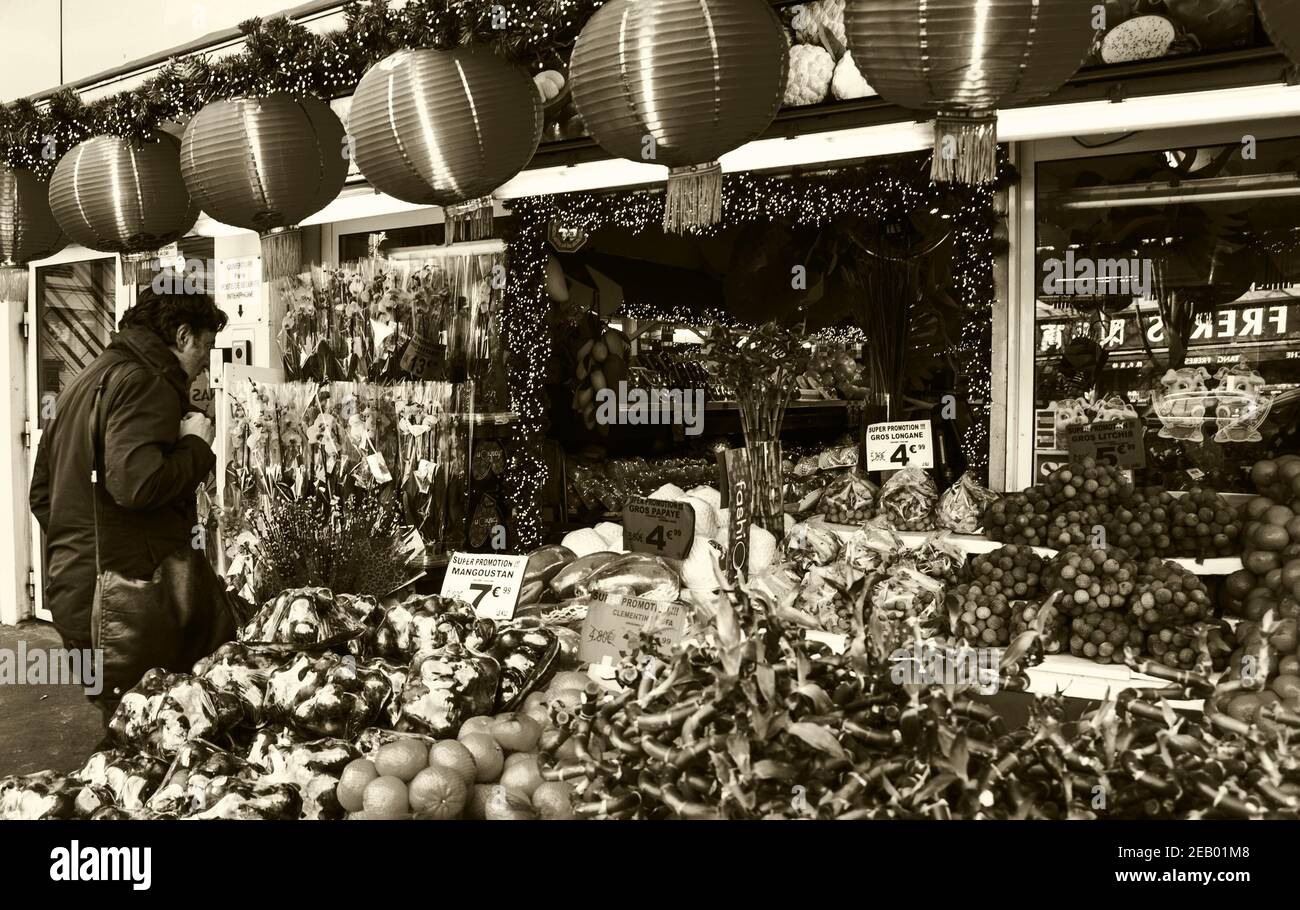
[
  {"x": 137, "y": 267},
  {"x": 470, "y": 220},
  {"x": 281, "y": 253},
  {"x": 13, "y": 284},
  {"x": 965, "y": 149},
  {"x": 694, "y": 198}
]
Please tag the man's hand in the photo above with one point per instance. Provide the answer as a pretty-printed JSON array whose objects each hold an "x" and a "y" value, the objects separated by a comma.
[{"x": 197, "y": 424}]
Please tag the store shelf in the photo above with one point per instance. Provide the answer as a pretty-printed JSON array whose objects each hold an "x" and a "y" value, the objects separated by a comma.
[
  {"x": 977, "y": 543},
  {"x": 1077, "y": 677}
]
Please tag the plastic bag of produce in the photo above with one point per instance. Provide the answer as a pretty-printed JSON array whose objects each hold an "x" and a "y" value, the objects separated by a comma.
[
  {"x": 870, "y": 550},
  {"x": 808, "y": 545},
  {"x": 373, "y": 738},
  {"x": 43, "y": 795},
  {"x": 527, "y": 659},
  {"x": 827, "y": 594},
  {"x": 425, "y": 624},
  {"x": 273, "y": 735},
  {"x": 314, "y": 769},
  {"x": 163, "y": 711},
  {"x": 396, "y": 674},
  {"x": 637, "y": 574},
  {"x": 446, "y": 687},
  {"x": 327, "y": 694},
  {"x": 197, "y": 763},
  {"x": 961, "y": 507},
  {"x": 130, "y": 779},
  {"x": 302, "y": 619},
  {"x": 241, "y": 672},
  {"x": 907, "y": 501},
  {"x": 236, "y": 799},
  {"x": 848, "y": 499}
]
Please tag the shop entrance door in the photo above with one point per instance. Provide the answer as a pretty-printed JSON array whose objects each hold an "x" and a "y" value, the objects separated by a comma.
[{"x": 73, "y": 308}]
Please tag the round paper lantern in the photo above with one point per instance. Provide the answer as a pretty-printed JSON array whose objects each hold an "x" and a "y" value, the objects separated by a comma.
[
  {"x": 445, "y": 128},
  {"x": 114, "y": 197},
  {"x": 962, "y": 60},
  {"x": 264, "y": 164},
  {"x": 680, "y": 82},
  {"x": 1281, "y": 19},
  {"x": 28, "y": 230}
]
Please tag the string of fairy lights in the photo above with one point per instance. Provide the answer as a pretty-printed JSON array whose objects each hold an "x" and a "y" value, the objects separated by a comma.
[{"x": 889, "y": 194}]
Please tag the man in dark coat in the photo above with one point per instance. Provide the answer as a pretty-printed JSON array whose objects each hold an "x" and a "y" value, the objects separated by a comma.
[{"x": 154, "y": 452}]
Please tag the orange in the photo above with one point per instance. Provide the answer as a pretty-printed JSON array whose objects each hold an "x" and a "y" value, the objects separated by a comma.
[
  {"x": 516, "y": 732},
  {"x": 534, "y": 706},
  {"x": 452, "y": 755},
  {"x": 353, "y": 781},
  {"x": 438, "y": 793},
  {"x": 493, "y": 801},
  {"x": 1243, "y": 707},
  {"x": 1278, "y": 515},
  {"x": 523, "y": 774},
  {"x": 1256, "y": 507},
  {"x": 566, "y": 698},
  {"x": 1289, "y": 665},
  {"x": 480, "y": 723},
  {"x": 1261, "y": 562},
  {"x": 553, "y": 799},
  {"x": 386, "y": 798},
  {"x": 488, "y": 757},
  {"x": 402, "y": 759},
  {"x": 1287, "y": 687},
  {"x": 1263, "y": 473},
  {"x": 1270, "y": 537},
  {"x": 569, "y": 679}
]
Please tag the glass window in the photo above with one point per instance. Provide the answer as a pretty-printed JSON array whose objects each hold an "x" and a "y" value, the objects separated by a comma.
[{"x": 1167, "y": 327}]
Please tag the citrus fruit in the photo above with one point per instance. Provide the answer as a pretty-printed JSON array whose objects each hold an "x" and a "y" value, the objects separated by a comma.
[
  {"x": 402, "y": 759},
  {"x": 1283, "y": 638},
  {"x": 1278, "y": 515},
  {"x": 356, "y": 816},
  {"x": 1261, "y": 562},
  {"x": 534, "y": 706},
  {"x": 452, "y": 755},
  {"x": 488, "y": 757},
  {"x": 1270, "y": 537},
  {"x": 1287, "y": 687},
  {"x": 506, "y": 804},
  {"x": 438, "y": 793},
  {"x": 566, "y": 698},
  {"x": 569, "y": 679},
  {"x": 1293, "y": 528},
  {"x": 1289, "y": 470},
  {"x": 1256, "y": 507},
  {"x": 1263, "y": 473},
  {"x": 386, "y": 798},
  {"x": 480, "y": 723},
  {"x": 1243, "y": 707},
  {"x": 553, "y": 800},
  {"x": 516, "y": 732},
  {"x": 523, "y": 774},
  {"x": 1239, "y": 584},
  {"x": 1273, "y": 580},
  {"x": 352, "y": 783},
  {"x": 1289, "y": 665}
]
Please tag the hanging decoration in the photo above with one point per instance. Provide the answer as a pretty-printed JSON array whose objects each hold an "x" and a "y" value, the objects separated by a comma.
[
  {"x": 1281, "y": 20},
  {"x": 962, "y": 60},
  {"x": 679, "y": 83},
  {"x": 28, "y": 230},
  {"x": 445, "y": 128},
  {"x": 264, "y": 164},
  {"x": 116, "y": 197}
]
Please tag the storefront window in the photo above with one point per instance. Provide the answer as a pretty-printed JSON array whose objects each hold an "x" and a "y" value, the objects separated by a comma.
[{"x": 1167, "y": 326}]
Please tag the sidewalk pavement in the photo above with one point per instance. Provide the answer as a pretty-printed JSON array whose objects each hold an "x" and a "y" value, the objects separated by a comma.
[{"x": 43, "y": 726}]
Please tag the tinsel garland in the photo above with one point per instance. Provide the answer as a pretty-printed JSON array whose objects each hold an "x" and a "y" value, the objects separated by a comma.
[
  {"x": 281, "y": 55},
  {"x": 807, "y": 201}
]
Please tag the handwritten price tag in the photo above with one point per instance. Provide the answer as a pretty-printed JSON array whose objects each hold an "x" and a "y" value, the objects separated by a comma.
[
  {"x": 659, "y": 526},
  {"x": 490, "y": 584},
  {"x": 614, "y": 625}
]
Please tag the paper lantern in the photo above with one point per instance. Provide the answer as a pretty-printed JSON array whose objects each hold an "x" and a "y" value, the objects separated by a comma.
[
  {"x": 114, "y": 197},
  {"x": 1281, "y": 19},
  {"x": 264, "y": 164},
  {"x": 680, "y": 82},
  {"x": 962, "y": 60},
  {"x": 28, "y": 230},
  {"x": 445, "y": 128}
]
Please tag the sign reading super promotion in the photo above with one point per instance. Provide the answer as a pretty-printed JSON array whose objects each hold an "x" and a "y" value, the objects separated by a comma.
[
  {"x": 900, "y": 444},
  {"x": 487, "y": 582}
]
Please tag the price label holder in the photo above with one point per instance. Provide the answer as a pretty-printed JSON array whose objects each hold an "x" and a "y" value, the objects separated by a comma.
[
  {"x": 615, "y": 622},
  {"x": 489, "y": 583},
  {"x": 899, "y": 444},
  {"x": 659, "y": 526},
  {"x": 1119, "y": 442}
]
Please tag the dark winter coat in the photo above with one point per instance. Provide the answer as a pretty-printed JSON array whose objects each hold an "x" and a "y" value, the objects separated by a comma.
[{"x": 149, "y": 475}]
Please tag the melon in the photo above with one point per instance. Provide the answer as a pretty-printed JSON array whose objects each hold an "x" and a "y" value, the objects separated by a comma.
[{"x": 1141, "y": 38}]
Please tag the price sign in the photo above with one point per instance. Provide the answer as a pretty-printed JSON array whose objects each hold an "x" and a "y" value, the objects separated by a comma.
[
  {"x": 1118, "y": 442},
  {"x": 615, "y": 622},
  {"x": 658, "y": 526},
  {"x": 900, "y": 444},
  {"x": 239, "y": 289},
  {"x": 490, "y": 584}
]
